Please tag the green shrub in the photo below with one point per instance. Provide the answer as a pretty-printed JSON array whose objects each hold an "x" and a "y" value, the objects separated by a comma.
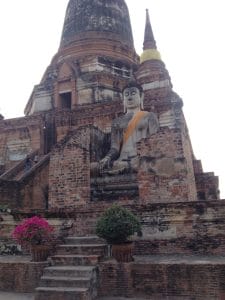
[{"x": 117, "y": 224}]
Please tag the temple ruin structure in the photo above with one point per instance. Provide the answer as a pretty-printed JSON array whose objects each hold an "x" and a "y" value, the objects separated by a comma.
[{"x": 67, "y": 128}]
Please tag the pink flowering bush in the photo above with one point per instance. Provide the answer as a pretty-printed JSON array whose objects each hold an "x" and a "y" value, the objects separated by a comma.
[{"x": 33, "y": 231}]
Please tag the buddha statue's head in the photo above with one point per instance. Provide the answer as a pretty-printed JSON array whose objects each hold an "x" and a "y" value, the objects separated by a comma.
[{"x": 133, "y": 96}]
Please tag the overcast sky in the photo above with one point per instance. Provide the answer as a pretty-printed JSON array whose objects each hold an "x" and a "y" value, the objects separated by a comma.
[{"x": 190, "y": 37}]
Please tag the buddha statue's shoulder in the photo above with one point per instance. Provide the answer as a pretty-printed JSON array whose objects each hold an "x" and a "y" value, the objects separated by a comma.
[
  {"x": 122, "y": 121},
  {"x": 149, "y": 114},
  {"x": 153, "y": 122}
]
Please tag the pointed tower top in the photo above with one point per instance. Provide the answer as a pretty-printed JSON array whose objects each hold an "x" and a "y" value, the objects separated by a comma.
[
  {"x": 149, "y": 46},
  {"x": 149, "y": 41}
]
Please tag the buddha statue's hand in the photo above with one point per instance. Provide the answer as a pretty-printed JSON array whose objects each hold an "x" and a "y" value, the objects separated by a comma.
[{"x": 104, "y": 163}]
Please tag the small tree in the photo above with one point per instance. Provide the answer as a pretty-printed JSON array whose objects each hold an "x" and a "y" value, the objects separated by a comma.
[{"x": 117, "y": 224}]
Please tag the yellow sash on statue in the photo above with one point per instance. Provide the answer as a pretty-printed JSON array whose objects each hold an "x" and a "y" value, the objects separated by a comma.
[{"x": 133, "y": 124}]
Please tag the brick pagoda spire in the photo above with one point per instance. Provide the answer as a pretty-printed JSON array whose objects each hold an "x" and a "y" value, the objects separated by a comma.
[
  {"x": 149, "y": 46},
  {"x": 149, "y": 40},
  {"x": 152, "y": 70}
]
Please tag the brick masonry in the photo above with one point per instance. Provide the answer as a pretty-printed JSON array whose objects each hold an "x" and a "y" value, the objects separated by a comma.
[
  {"x": 152, "y": 280},
  {"x": 20, "y": 277},
  {"x": 192, "y": 227},
  {"x": 29, "y": 190}
]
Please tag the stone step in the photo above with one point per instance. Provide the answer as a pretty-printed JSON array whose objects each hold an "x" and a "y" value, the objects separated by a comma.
[
  {"x": 65, "y": 281},
  {"x": 84, "y": 249},
  {"x": 70, "y": 259},
  {"x": 79, "y": 271},
  {"x": 64, "y": 293},
  {"x": 92, "y": 239}
]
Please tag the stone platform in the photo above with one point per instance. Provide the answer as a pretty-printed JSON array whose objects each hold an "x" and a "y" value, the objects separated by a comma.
[
  {"x": 108, "y": 188},
  {"x": 193, "y": 277},
  {"x": 152, "y": 277},
  {"x": 161, "y": 277}
]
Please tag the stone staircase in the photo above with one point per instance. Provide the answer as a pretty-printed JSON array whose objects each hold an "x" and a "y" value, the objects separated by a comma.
[
  {"x": 18, "y": 173},
  {"x": 73, "y": 274}
]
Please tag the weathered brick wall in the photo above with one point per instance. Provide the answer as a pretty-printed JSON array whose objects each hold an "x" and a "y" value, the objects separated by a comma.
[
  {"x": 97, "y": 114},
  {"x": 207, "y": 185},
  {"x": 196, "y": 244},
  {"x": 163, "y": 174},
  {"x": 191, "y": 227},
  {"x": 188, "y": 154},
  {"x": 34, "y": 188},
  {"x": 10, "y": 193},
  {"x": 194, "y": 227},
  {"x": 69, "y": 174},
  {"x": 18, "y": 137},
  {"x": 20, "y": 277},
  {"x": 151, "y": 280},
  {"x": 28, "y": 192},
  {"x": 115, "y": 279},
  {"x": 194, "y": 281}
]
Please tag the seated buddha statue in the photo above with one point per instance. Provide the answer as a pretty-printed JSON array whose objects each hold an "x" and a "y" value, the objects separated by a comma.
[{"x": 126, "y": 131}]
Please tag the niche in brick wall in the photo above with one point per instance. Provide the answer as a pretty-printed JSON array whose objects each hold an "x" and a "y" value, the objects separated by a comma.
[{"x": 66, "y": 100}]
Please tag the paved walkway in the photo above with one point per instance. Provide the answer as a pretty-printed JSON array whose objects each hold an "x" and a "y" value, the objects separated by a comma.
[
  {"x": 120, "y": 298},
  {"x": 150, "y": 298},
  {"x": 19, "y": 296},
  {"x": 15, "y": 259},
  {"x": 16, "y": 296}
]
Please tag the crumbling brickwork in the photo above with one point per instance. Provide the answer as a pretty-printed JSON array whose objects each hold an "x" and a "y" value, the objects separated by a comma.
[
  {"x": 152, "y": 279},
  {"x": 26, "y": 188},
  {"x": 20, "y": 277},
  {"x": 69, "y": 179},
  {"x": 163, "y": 175}
]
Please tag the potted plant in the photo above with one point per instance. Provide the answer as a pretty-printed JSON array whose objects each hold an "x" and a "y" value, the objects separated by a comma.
[
  {"x": 35, "y": 233},
  {"x": 116, "y": 225}
]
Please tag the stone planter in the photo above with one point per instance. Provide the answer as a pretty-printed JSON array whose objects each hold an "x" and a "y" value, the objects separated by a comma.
[
  {"x": 123, "y": 252},
  {"x": 39, "y": 252}
]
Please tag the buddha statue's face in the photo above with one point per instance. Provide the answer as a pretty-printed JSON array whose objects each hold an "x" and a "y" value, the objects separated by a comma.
[{"x": 132, "y": 98}]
